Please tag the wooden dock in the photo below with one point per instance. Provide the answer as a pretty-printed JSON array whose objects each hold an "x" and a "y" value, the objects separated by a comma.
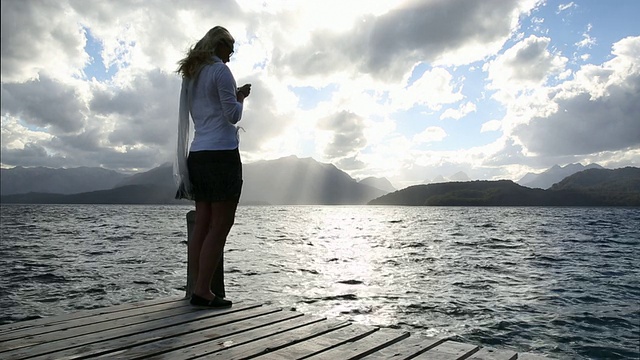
[{"x": 171, "y": 328}]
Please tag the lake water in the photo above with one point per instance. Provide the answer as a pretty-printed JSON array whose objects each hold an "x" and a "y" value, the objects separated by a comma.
[{"x": 558, "y": 281}]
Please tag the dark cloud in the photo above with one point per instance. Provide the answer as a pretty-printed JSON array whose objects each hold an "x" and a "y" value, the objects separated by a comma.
[
  {"x": 387, "y": 46},
  {"x": 350, "y": 164},
  {"x": 82, "y": 150},
  {"x": 38, "y": 36},
  {"x": 116, "y": 101},
  {"x": 33, "y": 155},
  {"x": 347, "y": 134},
  {"x": 529, "y": 62},
  {"x": 137, "y": 158},
  {"x": 585, "y": 124},
  {"x": 146, "y": 112},
  {"x": 142, "y": 114},
  {"x": 510, "y": 154},
  {"x": 45, "y": 103},
  {"x": 159, "y": 31},
  {"x": 261, "y": 119},
  {"x": 88, "y": 140}
]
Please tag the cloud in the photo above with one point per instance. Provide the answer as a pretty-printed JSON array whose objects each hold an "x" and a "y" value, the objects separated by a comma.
[
  {"x": 45, "y": 103},
  {"x": 15, "y": 134},
  {"x": 587, "y": 41},
  {"x": 459, "y": 113},
  {"x": 596, "y": 111},
  {"x": 346, "y": 134},
  {"x": 492, "y": 125},
  {"x": 40, "y": 37},
  {"x": 430, "y": 134},
  {"x": 526, "y": 65},
  {"x": 111, "y": 124},
  {"x": 509, "y": 153},
  {"x": 583, "y": 125},
  {"x": 387, "y": 72},
  {"x": 433, "y": 89},
  {"x": 563, "y": 7},
  {"x": 33, "y": 155},
  {"x": 144, "y": 112},
  {"x": 387, "y": 46}
]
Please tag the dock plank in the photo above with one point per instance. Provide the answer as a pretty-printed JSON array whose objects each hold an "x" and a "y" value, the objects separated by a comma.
[
  {"x": 149, "y": 330},
  {"x": 449, "y": 350},
  {"x": 50, "y": 320},
  {"x": 278, "y": 341},
  {"x": 210, "y": 349},
  {"x": 202, "y": 336},
  {"x": 120, "y": 343},
  {"x": 406, "y": 349},
  {"x": 321, "y": 343},
  {"x": 171, "y": 328},
  {"x": 94, "y": 324},
  {"x": 364, "y": 346}
]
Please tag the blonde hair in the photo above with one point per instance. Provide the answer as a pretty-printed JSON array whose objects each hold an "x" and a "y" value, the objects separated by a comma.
[{"x": 202, "y": 52}]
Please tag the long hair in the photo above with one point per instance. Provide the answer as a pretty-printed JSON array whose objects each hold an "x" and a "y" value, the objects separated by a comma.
[{"x": 202, "y": 52}]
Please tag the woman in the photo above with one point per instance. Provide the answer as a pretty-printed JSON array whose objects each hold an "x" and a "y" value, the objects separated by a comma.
[{"x": 214, "y": 167}]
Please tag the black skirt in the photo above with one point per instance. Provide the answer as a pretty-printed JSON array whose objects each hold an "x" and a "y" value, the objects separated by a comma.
[{"x": 215, "y": 175}]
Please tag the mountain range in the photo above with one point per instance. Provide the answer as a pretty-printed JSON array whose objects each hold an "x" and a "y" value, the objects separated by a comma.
[
  {"x": 459, "y": 176},
  {"x": 285, "y": 181},
  {"x": 19, "y": 180},
  {"x": 591, "y": 187},
  {"x": 379, "y": 183},
  {"x": 553, "y": 175}
]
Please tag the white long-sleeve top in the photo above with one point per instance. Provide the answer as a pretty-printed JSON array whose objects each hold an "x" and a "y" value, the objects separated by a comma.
[{"x": 215, "y": 109}]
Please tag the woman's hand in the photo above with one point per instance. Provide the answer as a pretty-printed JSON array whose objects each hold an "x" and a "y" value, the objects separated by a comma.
[{"x": 245, "y": 90}]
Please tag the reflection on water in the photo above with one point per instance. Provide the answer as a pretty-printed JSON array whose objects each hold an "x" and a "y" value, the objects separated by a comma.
[{"x": 560, "y": 281}]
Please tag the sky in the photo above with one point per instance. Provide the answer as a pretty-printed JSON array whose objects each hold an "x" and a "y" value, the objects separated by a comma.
[{"x": 406, "y": 90}]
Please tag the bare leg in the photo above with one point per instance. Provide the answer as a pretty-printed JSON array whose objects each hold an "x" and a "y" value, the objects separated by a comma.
[
  {"x": 222, "y": 218},
  {"x": 200, "y": 230}
]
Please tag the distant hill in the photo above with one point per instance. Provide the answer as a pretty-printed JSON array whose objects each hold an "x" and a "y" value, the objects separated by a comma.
[
  {"x": 285, "y": 181},
  {"x": 475, "y": 193},
  {"x": 615, "y": 187},
  {"x": 437, "y": 179},
  {"x": 19, "y": 180},
  {"x": 459, "y": 176},
  {"x": 302, "y": 181},
  {"x": 129, "y": 194},
  {"x": 161, "y": 175},
  {"x": 594, "y": 187},
  {"x": 553, "y": 175},
  {"x": 378, "y": 183}
]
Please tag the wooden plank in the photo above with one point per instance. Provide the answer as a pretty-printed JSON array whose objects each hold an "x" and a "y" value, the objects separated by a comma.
[
  {"x": 141, "y": 331},
  {"x": 8, "y": 328},
  {"x": 273, "y": 342},
  {"x": 321, "y": 343},
  {"x": 194, "y": 338},
  {"x": 170, "y": 328},
  {"x": 406, "y": 349},
  {"x": 84, "y": 326},
  {"x": 363, "y": 347},
  {"x": 210, "y": 348},
  {"x": 100, "y": 327},
  {"x": 449, "y": 350},
  {"x": 494, "y": 354}
]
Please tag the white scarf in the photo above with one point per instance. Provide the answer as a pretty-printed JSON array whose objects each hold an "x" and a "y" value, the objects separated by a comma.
[{"x": 180, "y": 169}]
